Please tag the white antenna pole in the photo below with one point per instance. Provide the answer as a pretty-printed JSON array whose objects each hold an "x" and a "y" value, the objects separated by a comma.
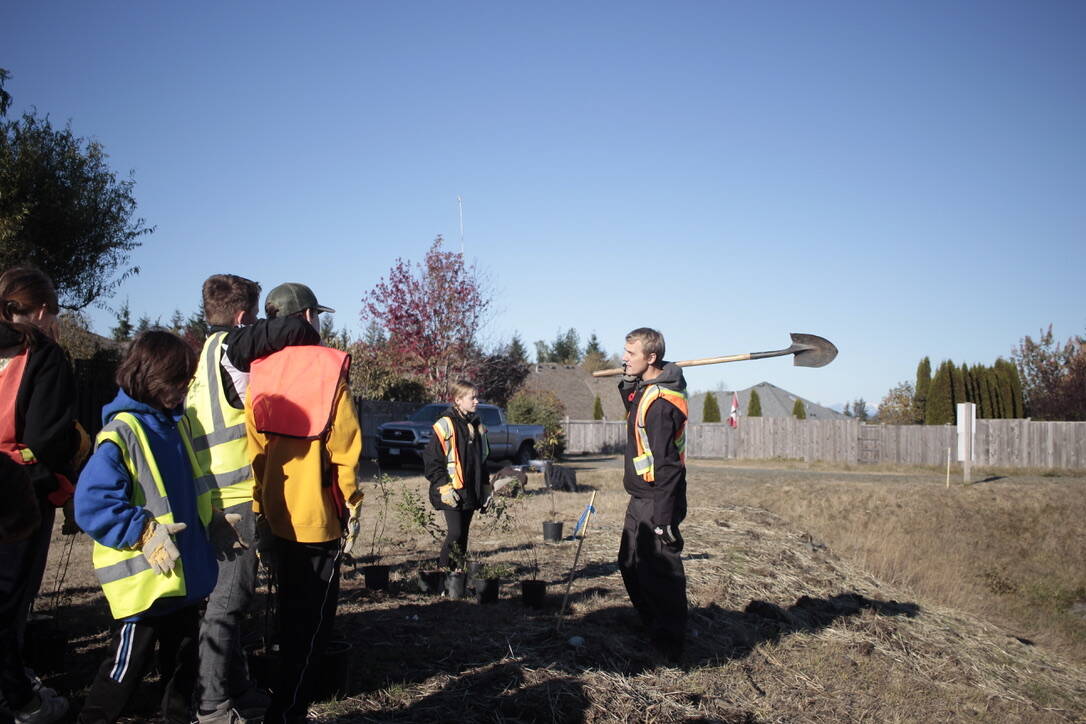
[{"x": 460, "y": 206}]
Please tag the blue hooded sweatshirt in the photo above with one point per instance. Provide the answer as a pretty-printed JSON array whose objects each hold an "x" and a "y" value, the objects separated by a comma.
[{"x": 103, "y": 510}]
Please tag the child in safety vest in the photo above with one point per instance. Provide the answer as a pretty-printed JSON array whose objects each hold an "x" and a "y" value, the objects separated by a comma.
[{"x": 138, "y": 499}]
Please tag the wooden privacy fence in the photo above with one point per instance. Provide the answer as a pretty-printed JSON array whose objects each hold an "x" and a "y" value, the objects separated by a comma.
[
  {"x": 372, "y": 413},
  {"x": 998, "y": 443}
]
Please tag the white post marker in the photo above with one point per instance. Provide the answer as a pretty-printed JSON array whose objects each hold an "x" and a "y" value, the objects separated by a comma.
[
  {"x": 967, "y": 431},
  {"x": 577, "y": 557}
]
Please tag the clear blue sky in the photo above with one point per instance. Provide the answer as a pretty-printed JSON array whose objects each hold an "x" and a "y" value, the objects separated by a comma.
[{"x": 905, "y": 178}]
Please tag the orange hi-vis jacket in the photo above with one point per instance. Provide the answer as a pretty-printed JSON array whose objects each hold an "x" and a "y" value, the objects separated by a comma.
[
  {"x": 643, "y": 462},
  {"x": 304, "y": 441}
]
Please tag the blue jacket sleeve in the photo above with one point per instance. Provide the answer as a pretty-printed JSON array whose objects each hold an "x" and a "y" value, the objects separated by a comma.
[{"x": 102, "y": 506}]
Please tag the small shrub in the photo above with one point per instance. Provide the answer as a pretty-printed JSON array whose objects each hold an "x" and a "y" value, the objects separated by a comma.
[
  {"x": 711, "y": 410},
  {"x": 539, "y": 407}
]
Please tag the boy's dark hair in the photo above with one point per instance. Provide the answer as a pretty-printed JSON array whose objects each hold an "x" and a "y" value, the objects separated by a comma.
[
  {"x": 227, "y": 294},
  {"x": 158, "y": 365}
]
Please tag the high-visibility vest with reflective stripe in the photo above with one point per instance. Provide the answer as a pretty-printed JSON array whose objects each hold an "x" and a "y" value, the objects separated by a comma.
[
  {"x": 643, "y": 463},
  {"x": 446, "y": 435},
  {"x": 218, "y": 431},
  {"x": 11, "y": 378},
  {"x": 129, "y": 583}
]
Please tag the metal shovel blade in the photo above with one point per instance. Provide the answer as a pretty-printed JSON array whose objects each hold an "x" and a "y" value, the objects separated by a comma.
[{"x": 811, "y": 350}]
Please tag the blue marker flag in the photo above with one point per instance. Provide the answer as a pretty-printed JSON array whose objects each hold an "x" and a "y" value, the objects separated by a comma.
[{"x": 584, "y": 517}]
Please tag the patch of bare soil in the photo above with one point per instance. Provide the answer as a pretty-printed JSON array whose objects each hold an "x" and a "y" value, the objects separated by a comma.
[{"x": 782, "y": 629}]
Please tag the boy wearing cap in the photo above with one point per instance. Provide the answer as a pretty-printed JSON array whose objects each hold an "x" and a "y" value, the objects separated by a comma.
[
  {"x": 304, "y": 441},
  {"x": 215, "y": 415}
]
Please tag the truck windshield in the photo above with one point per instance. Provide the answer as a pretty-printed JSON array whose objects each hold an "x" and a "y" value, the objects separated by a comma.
[{"x": 428, "y": 413}]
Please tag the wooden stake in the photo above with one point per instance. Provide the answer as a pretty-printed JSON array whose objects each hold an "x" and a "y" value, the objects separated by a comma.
[
  {"x": 573, "y": 568},
  {"x": 948, "y": 468}
]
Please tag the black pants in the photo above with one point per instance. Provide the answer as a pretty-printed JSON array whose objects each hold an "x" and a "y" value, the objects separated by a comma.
[
  {"x": 21, "y": 565},
  {"x": 457, "y": 523},
  {"x": 653, "y": 574},
  {"x": 176, "y": 634},
  {"x": 307, "y": 583}
]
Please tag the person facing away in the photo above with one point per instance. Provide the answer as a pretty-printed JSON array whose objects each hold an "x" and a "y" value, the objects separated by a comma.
[
  {"x": 654, "y": 393},
  {"x": 138, "y": 499},
  {"x": 454, "y": 462},
  {"x": 304, "y": 442},
  {"x": 39, "y": 448},
  {"x": 215, "y": 413}
]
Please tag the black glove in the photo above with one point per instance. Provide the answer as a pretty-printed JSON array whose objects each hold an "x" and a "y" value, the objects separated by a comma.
[{"x": 666, "y": 534}]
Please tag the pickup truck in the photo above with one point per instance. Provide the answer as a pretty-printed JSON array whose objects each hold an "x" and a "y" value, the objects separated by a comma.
[{"x": 403, "y": 441}]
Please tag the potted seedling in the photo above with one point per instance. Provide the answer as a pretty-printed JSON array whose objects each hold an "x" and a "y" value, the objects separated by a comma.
[
  {"x": 456, "y": 578},
  {"x": 552, "y": 527},
  {"x": 417, "y": 518},
  {"x": 488, "y": 581},
  {"x": 376, "y": 573},
  {"x": 533, "y": 591}
]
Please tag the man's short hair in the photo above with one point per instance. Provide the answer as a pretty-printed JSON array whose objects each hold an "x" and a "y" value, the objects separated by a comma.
[
  {"x": 158, "y": 365},
  {"x": 227, "y": 294},
  {"x": 652, "y": 342}
]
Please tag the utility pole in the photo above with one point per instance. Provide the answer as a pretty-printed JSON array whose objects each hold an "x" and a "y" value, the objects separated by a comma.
[{"x": 460, "y": 206}]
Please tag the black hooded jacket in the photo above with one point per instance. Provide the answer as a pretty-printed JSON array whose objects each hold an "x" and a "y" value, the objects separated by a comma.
[
  {"x": 44, "y": 418},
  {"x": 469, "y": 448},
  {"x": 668, "y": 490}
]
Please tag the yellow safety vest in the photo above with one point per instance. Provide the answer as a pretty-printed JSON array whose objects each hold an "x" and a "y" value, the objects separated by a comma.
[
  {"x": 446, "y": 434},
  {"x": 218, "y": 432},
  {"x": 643, "y": 463},
  {"x": 128, "y": 581}
]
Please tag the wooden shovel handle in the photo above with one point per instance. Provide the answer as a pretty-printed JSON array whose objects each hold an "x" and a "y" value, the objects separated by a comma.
[{"x": 685, "y": 363}]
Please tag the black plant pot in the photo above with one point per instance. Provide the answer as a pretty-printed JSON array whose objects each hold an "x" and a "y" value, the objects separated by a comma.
[
  {"x": 533, "y": 593},
  {"x": 486, "y": 589},
  {"x": 552, "y": 531},
  {"x": 432, "y": 581},
  {"x": 474, "y": 569},
  {"x": 376, "y": 577},
  {"x": 456, "y": 583},
  {"x": 335, "y": 670}
]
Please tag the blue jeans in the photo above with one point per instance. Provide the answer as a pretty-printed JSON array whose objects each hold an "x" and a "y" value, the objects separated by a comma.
[{"x": 224, "y": 672}]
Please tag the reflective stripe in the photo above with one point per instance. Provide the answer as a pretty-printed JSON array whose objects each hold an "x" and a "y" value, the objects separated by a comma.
[
  {"x": 123, "y": 429},
  {"x": 211, "y": 364},
  {"x": 122, "y": 569},
  {"x": 643, "y": 463},
  {"x": 446, "y": 433},
  {"x": 218, "y": 481},
  {"x": 218, "y": 437}
]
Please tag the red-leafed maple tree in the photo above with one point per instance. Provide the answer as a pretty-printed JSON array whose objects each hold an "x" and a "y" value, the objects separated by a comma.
[{"x": 432, "y": 313}]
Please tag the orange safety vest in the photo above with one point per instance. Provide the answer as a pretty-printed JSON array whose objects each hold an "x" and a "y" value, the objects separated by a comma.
[
  {"x": 11, "y": 377},
  {"x": 293, "y": 390},
  {"x": 446, "y": 435},
  {"x": 643, "y": 463}
]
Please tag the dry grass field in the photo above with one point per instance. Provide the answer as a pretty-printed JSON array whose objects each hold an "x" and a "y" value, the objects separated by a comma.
[{"x": 817, "y": 595}]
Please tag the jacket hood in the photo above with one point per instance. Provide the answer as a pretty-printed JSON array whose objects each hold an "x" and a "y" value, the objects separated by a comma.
[
  {"x": 670, "y": 377},
  {"x": 123, "y": 403}
]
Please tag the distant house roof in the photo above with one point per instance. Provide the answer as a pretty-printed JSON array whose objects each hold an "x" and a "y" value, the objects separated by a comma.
[
  {"x": 577, "y": 389},
  {"x": 776, "y": 402}
]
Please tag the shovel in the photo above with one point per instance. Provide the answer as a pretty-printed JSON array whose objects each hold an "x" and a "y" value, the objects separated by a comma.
[{"x": 810, "y": 350}]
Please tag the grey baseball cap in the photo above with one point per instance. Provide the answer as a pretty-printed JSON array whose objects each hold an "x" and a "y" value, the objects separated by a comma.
[{"x": 292, "y": 297}]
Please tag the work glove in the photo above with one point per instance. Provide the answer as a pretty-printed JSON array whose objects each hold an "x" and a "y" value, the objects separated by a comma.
[
  {"x": 223, "y": 532},
  {"x": 666, "y": 534},
  {"x": 449, "y": 496},
  {"x": 158, "y": 546},
  {"x": 487, "y": 498},
  {"x": 354, "y": 521}
]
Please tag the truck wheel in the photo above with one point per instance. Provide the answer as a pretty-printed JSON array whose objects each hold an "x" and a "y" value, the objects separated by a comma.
[{"x": 525, "y": 452}]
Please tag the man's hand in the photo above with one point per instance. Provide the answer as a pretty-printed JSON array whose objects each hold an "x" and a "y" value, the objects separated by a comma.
[
  {"x": 158, "y": 546},
  {"x": 666, "y": 534},
  {"x": 449, "y": 496},
  {"x": 223, "y": 532}
]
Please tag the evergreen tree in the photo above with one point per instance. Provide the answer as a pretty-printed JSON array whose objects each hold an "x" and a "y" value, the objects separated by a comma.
[
  {"x": 957, "y": 386},
  {"x": 710, "y": 411},
  {"x": 754, "y": 407},
  {"x": 984, "y": 394},
  {"x": 594, "y": 356},
  {"x": 923, "y": 382},
  {"x": 1017, "y": 404},
  {"x": 939, "y": 409},
  {"x": 517, "y": 350},
  {"x": 597, "y": 409},
  {"x": 123, "y": 331},
  {"x": 799, "y": 411},
  {"x": 859, "y": 409}
]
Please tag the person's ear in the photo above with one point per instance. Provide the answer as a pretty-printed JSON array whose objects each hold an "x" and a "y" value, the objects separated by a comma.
[{"x": 240, "y": 317}]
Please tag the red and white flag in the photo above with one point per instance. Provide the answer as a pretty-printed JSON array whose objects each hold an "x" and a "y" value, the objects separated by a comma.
[{"x": 733, "y": 419}]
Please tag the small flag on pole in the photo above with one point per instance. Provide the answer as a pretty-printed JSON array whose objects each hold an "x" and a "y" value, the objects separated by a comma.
[{"x": 733, "y": 419}]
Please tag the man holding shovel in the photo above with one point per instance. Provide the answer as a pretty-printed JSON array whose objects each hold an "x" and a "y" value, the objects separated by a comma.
[{"x": 649, "y": 555}]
